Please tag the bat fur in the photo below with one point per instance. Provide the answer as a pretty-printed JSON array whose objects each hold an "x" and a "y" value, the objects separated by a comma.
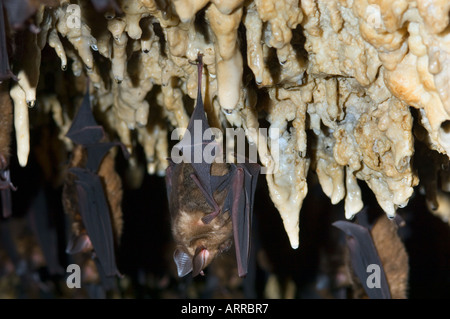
[
  {"x": 6, "y": 117},
  {"x": 190, "y": 205},
  {"x": 112, "y": 185}
]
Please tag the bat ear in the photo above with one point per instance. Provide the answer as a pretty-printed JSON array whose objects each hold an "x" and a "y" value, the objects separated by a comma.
[
  {"x": 77, "y": 244},
  {"x": 199, "y": 260},
  {"x": 183, "y": 262}
]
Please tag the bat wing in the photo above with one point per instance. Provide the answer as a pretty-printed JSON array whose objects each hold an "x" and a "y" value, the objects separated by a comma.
[
  {"x": 170, "y": 173},
  {"x": 18, "y": 11},
  {"x": 38, "y": 217},
  {"x": 239, "y": 202},
  {"x": 84, "y": 129},
  {"x": 96, "y": 217},
  {"x": 5, "y": 71},
  {"x": 8, "y": 243},
  {"x": 5, "y": 192},
  {"x": 363, "y": 253},
  {"x": 193, "y": 145},
  {"x": 6, "y": 202},
  {"x": 96, "y": 153}
]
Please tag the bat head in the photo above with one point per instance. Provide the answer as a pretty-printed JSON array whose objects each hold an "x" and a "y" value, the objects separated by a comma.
[{"x": 198, "y": 244}]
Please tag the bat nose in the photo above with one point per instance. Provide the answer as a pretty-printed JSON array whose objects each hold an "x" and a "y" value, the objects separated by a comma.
[{"x": 199, "y": 260}]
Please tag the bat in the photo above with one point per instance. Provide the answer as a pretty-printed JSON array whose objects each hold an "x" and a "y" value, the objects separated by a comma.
[
  {"x": 362, "y": 254},
  {"x": 211, "y": 203},
  {"x": 45, "y": 231},
  {"x": 6, "y": 118},
  {"x": 7, "y": 240},
  {"x": 20, "y": 11},
  {"x": 5, "y": 188},
  {"x": 5, "y": 71},
  {"x": 92, "y": 204}
]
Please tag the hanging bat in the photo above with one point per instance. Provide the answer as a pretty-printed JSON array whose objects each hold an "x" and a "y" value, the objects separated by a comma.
[
  {"x": 5, "y": 188},
  {"x": 92, "y": 204},
  {"x": 362, "y": 254},
  {"x": 6, "y": 119},
  {"x": 211, "y": 203},
  {"x": 5, "y": 71},
  {"x": 20, "y": 11},
  {"x": 39, "y": 219}
]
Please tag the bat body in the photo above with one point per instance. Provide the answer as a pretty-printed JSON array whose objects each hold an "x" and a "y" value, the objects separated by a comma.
[
  {"x": 5, "y": 71},
  {"x": 6, "y": 118},
  {"x": 211, "y": 202},
  {"x": 89, "y": 196},
  {"x": 5, "y": 188},
  {"x": 45, "y": 231},
  {"x": 198, "y": 242},
  {"x": 363, "y": 254},
  {"x": 376, "y": 243}
]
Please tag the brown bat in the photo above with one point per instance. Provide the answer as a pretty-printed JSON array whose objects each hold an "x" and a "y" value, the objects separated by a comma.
[
  {"x": 198, "y": 242},
  {"x": 376, "y": 242},
  {"x": 5, "y": 70},
  {"x": 6, "y": 118},
  {"x": 84, "y": 191},
  {"x": 210, "y": 203}
]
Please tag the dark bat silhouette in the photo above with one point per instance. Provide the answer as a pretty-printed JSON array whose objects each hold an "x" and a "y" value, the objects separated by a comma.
[
  {"x": 5, "y": 190},
  {"x": 6, "y": 119},
  {"x": 5, "y": 71},
  {"x": 92, "y": 203},
  {"x": 203, "y": 195},
  {"x": 20, "y": 12},
  {"x": 362, "y": 254},
  {"x": 45, "y": 230}
]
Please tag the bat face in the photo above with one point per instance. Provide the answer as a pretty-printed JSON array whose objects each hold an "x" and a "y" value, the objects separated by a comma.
[{"x": 198, "y": 243}]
